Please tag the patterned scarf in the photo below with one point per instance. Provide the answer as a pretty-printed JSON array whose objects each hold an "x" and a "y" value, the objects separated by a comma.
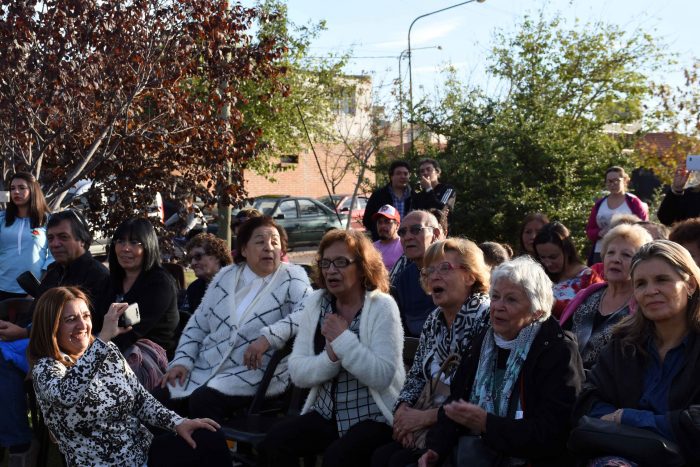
[{"x": 484, "y": 392}]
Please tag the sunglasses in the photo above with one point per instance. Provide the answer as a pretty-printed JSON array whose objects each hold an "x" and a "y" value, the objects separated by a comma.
[{"x": 414, "y": 229}]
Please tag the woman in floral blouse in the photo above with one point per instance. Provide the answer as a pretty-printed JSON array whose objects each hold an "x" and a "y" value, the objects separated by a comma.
[
  {"x": 91, "y": 400},
  {"x": 457, "y": 278},
  {"x": 555, "y": 250}
]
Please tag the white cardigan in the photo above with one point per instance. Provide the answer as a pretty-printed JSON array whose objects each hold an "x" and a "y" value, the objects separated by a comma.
[
  {"x": 375, "y": 359},
  {"x": 212, "y": 345}
]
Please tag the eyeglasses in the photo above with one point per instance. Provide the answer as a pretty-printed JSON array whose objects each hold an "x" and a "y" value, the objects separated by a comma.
[
  {"x": 339, "y": 263},
  {"x": 132, "y": 243},
  {"x": 442, "y": 269},
  {"x": 414, "y": 229}
]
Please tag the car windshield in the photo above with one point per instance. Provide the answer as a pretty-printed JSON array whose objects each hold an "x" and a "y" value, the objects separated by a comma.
[
  {"x": 360, "y": 203},
  {"x": 265, "y": 205},
  {"x": 330, "y": 201}
]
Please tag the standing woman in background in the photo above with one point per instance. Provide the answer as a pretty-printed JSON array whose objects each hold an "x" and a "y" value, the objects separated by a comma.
[
  {"x": 617, "y": 202},
  {"x": 23, "y": 245}
]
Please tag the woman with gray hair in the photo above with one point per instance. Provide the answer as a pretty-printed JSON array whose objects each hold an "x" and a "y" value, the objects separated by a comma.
[
  {"x": 592, "y": 314},
  {"x": 514, "y": 389}
]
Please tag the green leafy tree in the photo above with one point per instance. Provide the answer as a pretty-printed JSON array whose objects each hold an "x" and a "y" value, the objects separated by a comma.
[
  {"x": 676, "y": 112},
  {"x": 540, "y": 144}
]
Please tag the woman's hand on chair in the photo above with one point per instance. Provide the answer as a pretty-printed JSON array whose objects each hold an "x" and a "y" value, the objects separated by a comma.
[{"x": 188, "y": 426}]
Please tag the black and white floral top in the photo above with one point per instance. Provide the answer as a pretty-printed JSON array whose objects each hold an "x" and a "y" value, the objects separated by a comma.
[
  {"x": 437, "y": 341},
  {"x": 95, "y": 408},
  {"x": 593, "y": 331}
]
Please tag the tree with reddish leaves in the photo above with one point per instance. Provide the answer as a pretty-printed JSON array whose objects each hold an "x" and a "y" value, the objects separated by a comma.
[{"x": 138, "y": 96}]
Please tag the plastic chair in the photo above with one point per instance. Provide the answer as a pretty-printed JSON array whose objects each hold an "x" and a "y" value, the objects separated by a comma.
[
  {"x": 178, "y": 272},
  {"x": 251, "y": 428},
  {"x": 16, "y": 310},
  {"x": 410, "y": 345}
]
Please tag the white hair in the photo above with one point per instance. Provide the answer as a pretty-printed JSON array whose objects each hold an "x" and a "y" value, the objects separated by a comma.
[{"x": 528, "y": 274}]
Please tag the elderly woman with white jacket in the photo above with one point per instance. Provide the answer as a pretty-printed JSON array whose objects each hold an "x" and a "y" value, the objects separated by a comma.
[
  {"x": 209, "y": 374},
  {"x": 348, "y": 350}
]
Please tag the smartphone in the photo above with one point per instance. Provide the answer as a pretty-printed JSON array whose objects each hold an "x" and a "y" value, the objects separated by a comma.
[
  {"x": 692, "y": 162},
  {"x": 130, "y": 317},
  {"x": 4, "y": 196}
]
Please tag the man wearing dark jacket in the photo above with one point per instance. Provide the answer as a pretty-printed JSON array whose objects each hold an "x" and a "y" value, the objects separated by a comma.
[
  {"x": 69, "y": 242},
  {"x": 433, "y": 194},
  {"x": 397, "y": 193}
]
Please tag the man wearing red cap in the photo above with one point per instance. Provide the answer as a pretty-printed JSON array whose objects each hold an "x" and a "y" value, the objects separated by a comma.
[{"x": 387, "y": 220}]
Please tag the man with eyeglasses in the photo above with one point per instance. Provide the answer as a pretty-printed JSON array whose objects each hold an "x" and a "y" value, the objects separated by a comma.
[
  {"x": 397, "y": 193},
  {"x": 433, "y": 194},
  {"x": 418, "y": 230},
  {"x": 389, "y": 243}
]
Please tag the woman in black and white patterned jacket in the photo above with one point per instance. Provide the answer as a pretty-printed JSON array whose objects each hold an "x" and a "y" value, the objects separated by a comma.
[
  {"x": 93, "y": 403},
  {"x": 457, "y": 278}
]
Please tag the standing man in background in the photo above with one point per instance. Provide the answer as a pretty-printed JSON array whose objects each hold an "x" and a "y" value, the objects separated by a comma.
[
  {"x": 433, "y": 194},
  {"x": 397, "y": 193}
]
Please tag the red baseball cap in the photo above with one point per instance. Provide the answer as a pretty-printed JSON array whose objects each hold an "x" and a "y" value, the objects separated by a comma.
[{"x": 388, "y": 211}]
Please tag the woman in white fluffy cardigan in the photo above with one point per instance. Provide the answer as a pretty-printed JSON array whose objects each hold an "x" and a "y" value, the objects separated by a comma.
[
  {"x": 348, "y": 350},
  {"x": 208, "y": 373}
]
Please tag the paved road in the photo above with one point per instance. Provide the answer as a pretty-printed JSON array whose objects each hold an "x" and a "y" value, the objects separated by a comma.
[{"x": 302, "y": 255}]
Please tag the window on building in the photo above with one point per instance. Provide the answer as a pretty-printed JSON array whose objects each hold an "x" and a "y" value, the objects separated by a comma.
[
  {"x": 289, "y": 159},
  {"x": 346, "y": 101}
]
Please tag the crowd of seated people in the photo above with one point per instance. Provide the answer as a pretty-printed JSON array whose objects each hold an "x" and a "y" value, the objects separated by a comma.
[{"x": 512, "y": 352}]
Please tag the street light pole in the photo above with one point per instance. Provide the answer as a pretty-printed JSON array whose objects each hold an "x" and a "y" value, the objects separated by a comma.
[
  {"x": 401, "y": 57},
  {"x": 410, "y": 72}
]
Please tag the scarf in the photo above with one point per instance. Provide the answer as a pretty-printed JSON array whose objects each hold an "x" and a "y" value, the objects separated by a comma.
[{"x": 484, "y": 391}]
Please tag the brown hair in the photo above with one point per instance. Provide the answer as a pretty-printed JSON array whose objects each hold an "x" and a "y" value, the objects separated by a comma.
[
  {"x": 687, "y": 231},
  {"x": 212, "y": 246},
  {"x": 533, "y": 216},
  {"x": 47, "y": 317},
  {"x": 471, "y": 257},
  {"x": 246, "y": 232},
  {"x": 617, "y": 168},
  {"x": 38, "y": 209},
  {"x": 557, "y": 234},
  {"x": 495, "y": 253},
  {"x": 369, "y": 260},
  {"x": 636, "y": 329}
]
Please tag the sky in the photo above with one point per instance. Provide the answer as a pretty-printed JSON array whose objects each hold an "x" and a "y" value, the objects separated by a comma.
[{"x": 375, "y": 33}]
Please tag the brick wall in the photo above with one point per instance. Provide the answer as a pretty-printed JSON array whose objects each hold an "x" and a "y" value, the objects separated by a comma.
[{"x": 303, "y": 178}]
